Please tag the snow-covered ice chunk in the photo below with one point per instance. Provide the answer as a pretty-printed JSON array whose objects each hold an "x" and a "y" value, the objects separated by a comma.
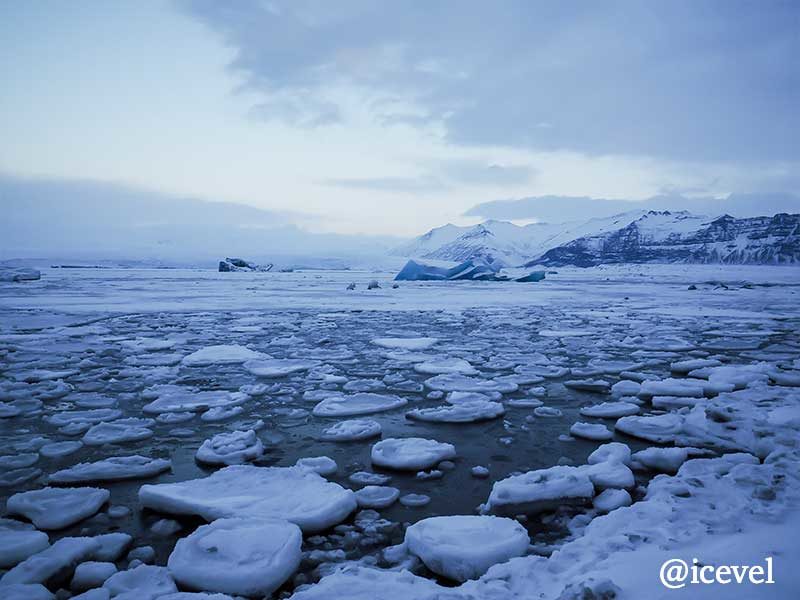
[
  {"x": 324, "y": 465},
  {"x": 28, "y": 591},
  {"x": 18, "y": 461},
  {"x": 691, "y": 388},
  {"x": 685, "y": 366},
  {"x": 357, "y": 404},
  {"x": 59, "y": 449},
  {"x": 591, "y": 431},
  {"x": 541, "y": 490},
  {"x": 524, "y": 402},
  {"x": 145, "y": 582},
  {"x": 291, "y": 493},
  {"x": 415, "y": 500},
  {"x": 610, "y": 410},
  {"x": 438, "y": 366},
  {"x": 377, "y": 496},
  {"x": 57, "y": 508},
  {"x": 247, "y": 557},
  {"x": 625, "y": 387},
  {"x": 611, "y": 452},
  {"x": 97, "y": 415},
  {"x": 665, "y": 460},
  {"x": 230, "y": 448},
  {"x": 115, "y": 433},
  {"x": 91, "y": 574},
  {"x": 367, "y": 478},
  {"x": 455, "y": 382},
  {"x": 278, "y": 367},
  {"x": 463, "y": 547},
  {"x": 597, "y": 386},
  {"x": 221, "y": 355},
  {"x": 363, "y": 583},
  {"x": 115, "y": 468},
  {"x": 18, "y": 541},
  {"x": 351, "y": 431},
  {"x": 410, "y": 454},
  {"x": 411, "y": 344},
  {"x": 190, "y": 400},
  {"x": 547, "y": 411},
  {"x": 658, "y": 428},
  {"x": 463, "y": 412},
  {"x": 611, "y": 499},
  {"x": 53, "y": 560}
]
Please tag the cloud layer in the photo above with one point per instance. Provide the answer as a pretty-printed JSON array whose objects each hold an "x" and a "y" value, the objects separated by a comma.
[{"x": 707, "y": 80}]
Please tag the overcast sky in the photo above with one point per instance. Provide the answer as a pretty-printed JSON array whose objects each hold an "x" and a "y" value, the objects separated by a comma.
[{"x": 394, "y": 117}]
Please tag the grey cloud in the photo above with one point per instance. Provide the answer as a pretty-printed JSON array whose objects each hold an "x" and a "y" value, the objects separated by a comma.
[{"x": 697, "y": 80}]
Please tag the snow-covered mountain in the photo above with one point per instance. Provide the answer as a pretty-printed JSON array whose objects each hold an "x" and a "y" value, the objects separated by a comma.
[{"x": 634, "y": 236}]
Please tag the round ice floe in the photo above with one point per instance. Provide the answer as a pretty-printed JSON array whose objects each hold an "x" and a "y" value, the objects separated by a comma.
[
  {"x": 611, "y": 452},
  {"x": 463, "y": 547},
  {"x": 221, "y": 413},
  {"x": 247, "y": 557},
  {"x": 524, "y": 403},
  {"x": 18, "y": 461},
  {"x": 665, "y": 460},
  {"x": 546, "y": 411},
  {"x": 278, "y": 367},
  {"x": 56, "y": 508},
  {"x": 459, "y": 397},
  {"x": 189, "y": 400},
  {"x": 97, "y": 415},
  {"x": 414, "y": 344},
  {"x": 464, "y": 412},
  {"x": 230, "y": 448},
  {"x": 221, "y": 355},
  {"x": 540, "y": 490},
  {"x": 610, "y": 410},
  {"x": 59, "y": 449},
  {"x": 439, "y": 366},
  {"x": 454, "y": 382},
  {"x": 591, "y": 431},
  {"x": 324, "y": 465},
  {"x": 145, "y": 581},
  {"x": 18, "y": 541},
  {"x": 18, "y": 476},
  {"x": 351, "y": 431},
  {"x": 116, "y": 468},
  {"x": 589, "y": 385},
  {"x": 376, "y": 496},
  {"x": 115, "y": 433},
  {"x": 291, "y": 493},
  {"x": 672, "y": 387},
  {"x": 357, "y": 404},
  {"x": 611, "y": 499},
  {"x": 660, "y": 428},
  {"x": 367, "y": 478},
  {"x": 410, "y": 454},
  {"x": 415, "y": 500},
  {"x": 625, "y": 388},
  {"x": 91, "y": 574}
]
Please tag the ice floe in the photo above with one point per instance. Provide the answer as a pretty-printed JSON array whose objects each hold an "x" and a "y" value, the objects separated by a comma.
[
  {"x": 351, "y": 431},
  {"x": 57, "y": 508},
  {"x": 247, "y": 557},
  {"x": 463, "y": 547},
  {"x": 222, "y": 354},
  {"x": 410, "y": 454},
  {"x": 115, "y": 468},
  {"x": 463, "y": 412},
  {"x": 230, "y": 448},
  {"x": 291, "y": 493},
  {"x": 362, "y": 403}
]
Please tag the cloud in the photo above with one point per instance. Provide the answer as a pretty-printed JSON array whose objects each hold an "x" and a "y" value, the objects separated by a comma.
[
  {"x": 442, "y": 175},
  {"x": 711, "y": 80},
  {"x": 77, "y": 219},
  {"x": 558, "y": 209}
]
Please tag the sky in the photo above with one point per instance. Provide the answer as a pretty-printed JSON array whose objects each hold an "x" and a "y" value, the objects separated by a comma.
[{"x": 367, "y": 117}]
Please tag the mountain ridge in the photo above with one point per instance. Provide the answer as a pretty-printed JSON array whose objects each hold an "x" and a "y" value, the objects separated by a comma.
[{"x": 637, "y": 236}]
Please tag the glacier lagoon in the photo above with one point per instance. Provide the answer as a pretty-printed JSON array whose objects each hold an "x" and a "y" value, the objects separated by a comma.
[{"x": 83, "y": 352}]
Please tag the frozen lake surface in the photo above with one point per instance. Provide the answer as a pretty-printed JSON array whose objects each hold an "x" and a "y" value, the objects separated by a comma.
[{"x": 96, "y": 364}]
